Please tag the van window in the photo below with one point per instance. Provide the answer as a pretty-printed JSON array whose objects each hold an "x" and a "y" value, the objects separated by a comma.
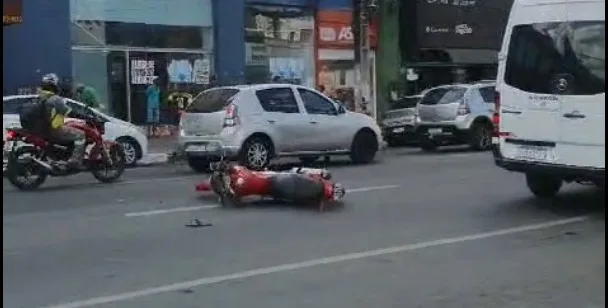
[
  {"x": 444, "y": 95},
  {"x": 213, "y": 100},
  {"x": 558, "y": 58}
]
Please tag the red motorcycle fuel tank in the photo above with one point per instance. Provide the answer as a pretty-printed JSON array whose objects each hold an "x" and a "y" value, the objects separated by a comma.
[{"x": 249, "y": 183}]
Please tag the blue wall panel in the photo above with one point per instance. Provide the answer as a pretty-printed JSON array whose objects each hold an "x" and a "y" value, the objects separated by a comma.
[
  {"x": 301, "y": 3},
  {"x": 335, "y": 4},
  {"x": 41, "y": 44},
  {"x": 229, "y": 22}
]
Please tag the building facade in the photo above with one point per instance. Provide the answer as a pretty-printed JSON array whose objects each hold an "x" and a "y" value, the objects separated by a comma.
[{"x": 121, "y": 47}]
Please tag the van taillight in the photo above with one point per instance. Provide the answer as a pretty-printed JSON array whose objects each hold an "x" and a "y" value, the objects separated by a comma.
[
  {"x": 496, "y": 115},
  {"x": 231, "y": 119}
]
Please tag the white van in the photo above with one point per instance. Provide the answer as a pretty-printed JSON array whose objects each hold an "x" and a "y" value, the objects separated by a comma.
[{"x": 550, "y": 109}]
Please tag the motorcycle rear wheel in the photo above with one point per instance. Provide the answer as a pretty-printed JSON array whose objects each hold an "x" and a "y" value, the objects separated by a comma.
[
  {"x": 17, "y": 167},
  {"x": 109, "y": 174}
]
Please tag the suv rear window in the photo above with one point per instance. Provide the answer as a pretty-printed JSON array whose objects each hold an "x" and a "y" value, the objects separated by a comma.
[
  {"x": 443, "y": 96},
  {"x": 213, "y": 100},
  {"x": 558, "y": 58},
  {"x": 405, "y": 102}
]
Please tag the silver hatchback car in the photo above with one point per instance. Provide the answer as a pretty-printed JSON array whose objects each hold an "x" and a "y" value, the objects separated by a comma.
[
  {"x": 457, "y": 114},
  {"x": 256, "y": 123}
]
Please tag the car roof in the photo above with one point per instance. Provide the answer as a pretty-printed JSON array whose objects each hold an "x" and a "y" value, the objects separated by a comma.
[{"x": 26, "y": 96}]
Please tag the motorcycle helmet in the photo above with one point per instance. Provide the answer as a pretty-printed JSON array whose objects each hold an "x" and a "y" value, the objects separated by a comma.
[{"x": 50, "y": 82}]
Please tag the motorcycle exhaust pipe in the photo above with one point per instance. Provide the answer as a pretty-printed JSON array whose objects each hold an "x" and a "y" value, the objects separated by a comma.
[{"x": 41, "y": 163}]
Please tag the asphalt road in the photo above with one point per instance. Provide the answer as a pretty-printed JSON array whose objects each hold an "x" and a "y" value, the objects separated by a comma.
[{"x": 418, "y": 230}]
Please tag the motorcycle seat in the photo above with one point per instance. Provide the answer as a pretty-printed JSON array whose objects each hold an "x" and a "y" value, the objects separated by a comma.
[
  {"x": 295, "y": 187},
  {"x": 23, "y": 131}
]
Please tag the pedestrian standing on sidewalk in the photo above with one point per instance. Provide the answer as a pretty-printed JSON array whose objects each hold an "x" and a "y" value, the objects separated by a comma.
[{"x": 153, "y": 105}]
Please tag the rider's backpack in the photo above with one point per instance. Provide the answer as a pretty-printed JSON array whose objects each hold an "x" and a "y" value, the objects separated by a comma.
[{"x": 32, "y": 115}]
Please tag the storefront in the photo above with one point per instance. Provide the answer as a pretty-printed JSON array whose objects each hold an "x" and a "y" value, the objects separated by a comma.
[
  {"x": 279, "y": 42},
  {"x": 335, "y": 56},
  {"x": 121, "y": 54},
  {"x": 451, "y": 41}
]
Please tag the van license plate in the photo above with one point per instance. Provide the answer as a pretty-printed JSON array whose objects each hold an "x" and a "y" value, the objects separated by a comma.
[
  {"x": 535, "y": 153},
  {"x": 399, "y": 130},
  {"x": 197, "y": 148},
  {"x": 435, "y": 131}
]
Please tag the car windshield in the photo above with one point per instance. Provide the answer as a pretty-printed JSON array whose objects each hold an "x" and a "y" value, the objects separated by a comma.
[
  {"x": 405, "y": 102},
  {"x": 445, "y": 95}
]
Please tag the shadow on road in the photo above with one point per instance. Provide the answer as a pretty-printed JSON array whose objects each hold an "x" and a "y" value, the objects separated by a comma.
[{"x": 587, "y": 201}]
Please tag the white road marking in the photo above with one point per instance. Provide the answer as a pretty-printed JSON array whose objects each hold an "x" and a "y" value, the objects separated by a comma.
[
  {"x": 213, "y": 206},
  {"x": 172, "y": 210},
  {"x": 312, "y": 263}
]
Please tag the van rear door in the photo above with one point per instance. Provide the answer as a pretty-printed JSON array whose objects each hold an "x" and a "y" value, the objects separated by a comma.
[
  {"x": 530, "y": 110},
  {"x": 582, "y": 85}
]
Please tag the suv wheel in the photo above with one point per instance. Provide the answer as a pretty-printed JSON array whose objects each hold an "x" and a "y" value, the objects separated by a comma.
[
  {"x": 198, "y": 164},
  {"x": 255, "y": 154},
  {"x": 543, "y": 186},
  {"x": 481, "y": 137},
  {"x": 427, "y": 144}
]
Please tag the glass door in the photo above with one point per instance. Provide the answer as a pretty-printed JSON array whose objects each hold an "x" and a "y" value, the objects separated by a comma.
[{"x": 117, "y": 87}]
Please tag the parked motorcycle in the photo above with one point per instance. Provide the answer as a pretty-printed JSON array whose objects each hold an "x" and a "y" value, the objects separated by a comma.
[
  {"x": 232, "y": 183},
  {"x": 32, "y": 158}
]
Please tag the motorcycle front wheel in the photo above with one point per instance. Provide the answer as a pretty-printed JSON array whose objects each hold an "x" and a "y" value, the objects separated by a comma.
[
  {"x": 22, "y": 172},
  {"x": 110, "y": 170}
]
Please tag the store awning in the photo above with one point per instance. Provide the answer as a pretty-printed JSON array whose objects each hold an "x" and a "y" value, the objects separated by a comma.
[{"x": 12, "y": 12}]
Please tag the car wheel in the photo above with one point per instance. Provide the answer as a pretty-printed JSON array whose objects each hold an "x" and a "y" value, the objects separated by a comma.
[
  {"x": 255, "y": 153},
  {"x": 307, "y": 160},
  {"x": 364, "y": 147},
  {"x": 428, "y": 145},
  {"x": 543, "y": 186},
  {"x": 132, "y": 150},
  {"x": 198, "y": 164},
  {"x": 481, "y": 137}
]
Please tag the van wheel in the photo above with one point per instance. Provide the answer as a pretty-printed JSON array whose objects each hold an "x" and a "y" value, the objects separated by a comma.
[
  {"x": 481, "y": 137},
  {"x": 543, "y": 186},
  {"x": 198, "y": 164},
  {"x": 255, "y": 153},
  {"x": 364, "y": 147},
  {"x": 428, "y": 145}
]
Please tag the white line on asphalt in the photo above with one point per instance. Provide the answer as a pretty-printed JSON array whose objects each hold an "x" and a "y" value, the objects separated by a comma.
[
  {"x": 208, "y": 207},
  {"x": 172, "y": 210},
  {"x": 312, "y": 263}
]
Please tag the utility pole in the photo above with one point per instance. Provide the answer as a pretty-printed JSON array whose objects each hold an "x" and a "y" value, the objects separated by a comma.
[{"x": 363, "y": 11}]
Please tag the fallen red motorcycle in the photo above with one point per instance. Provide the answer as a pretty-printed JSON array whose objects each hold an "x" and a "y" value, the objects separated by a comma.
[
  {"x": 233, "y": 183},
  {"x": 32, "y": 158}
]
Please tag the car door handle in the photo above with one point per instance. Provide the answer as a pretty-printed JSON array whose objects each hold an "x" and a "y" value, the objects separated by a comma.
[
  {"x": 271, "y": 121},
  {"x": 314, "y": 122},
  {"x": 574, "y": 115}
]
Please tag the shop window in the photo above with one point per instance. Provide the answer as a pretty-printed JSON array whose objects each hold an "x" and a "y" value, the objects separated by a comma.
[
  {"x": 279, "y": 44},
  {"x": 278, "y": 100},
  {"x": 540, "y": 53}
]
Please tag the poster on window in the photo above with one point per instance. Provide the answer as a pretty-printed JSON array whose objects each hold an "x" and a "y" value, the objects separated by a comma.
[
  {"x": 142, "y": 72},
  {"x": 202, "y": 71}
]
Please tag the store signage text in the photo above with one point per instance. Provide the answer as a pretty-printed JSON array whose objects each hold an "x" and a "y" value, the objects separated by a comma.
[
  {"x": 453, "y": 2},
  {"x": 333, "y": 34},
  {"x": 11, "y": 12}
]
